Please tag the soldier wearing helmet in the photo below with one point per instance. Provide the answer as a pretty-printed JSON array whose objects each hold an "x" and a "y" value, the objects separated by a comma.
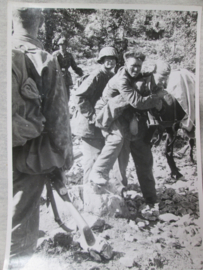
[
  {"x": 108, "y": 52},
  {"x": 86, "y": 96},
  {"x": 66, "y": 61}
]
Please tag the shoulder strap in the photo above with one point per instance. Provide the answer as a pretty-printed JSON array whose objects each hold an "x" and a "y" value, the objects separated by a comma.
[{"x": 80, "y": 80}]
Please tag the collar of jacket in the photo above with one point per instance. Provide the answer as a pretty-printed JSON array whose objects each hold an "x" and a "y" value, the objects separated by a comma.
[
  {"x": 105, "y": 71},
  {"x": 62, "y": 53},
  {"x": 26, "y": 41},
  {"x": 123, "y": 71}
]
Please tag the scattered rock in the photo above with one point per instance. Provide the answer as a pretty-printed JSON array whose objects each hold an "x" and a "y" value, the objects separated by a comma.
[
  {"x": 170, "y": 191},
  {"x": 106, "y": 251},
  {"x": 107, "y": 237},
  {"x": 129, "y": 237},
  {"x": 133, "y": 225},
  {"x": 101, "y": 247},
  {"x": 177, "y": 245},
  {"x": 45, "y": 244},
  {"x": 139, "y": 220},
  {"x": 181, "y": 211},
  {"x": 127, "y": 261},
  {"x": 63, "y": 240},
  {"x": 159, "y": 261},
  {"x": 168, "y": 217},
  {"x": 178, "y": 204},
  {"x": 160, "y": 240},
  {"x": 141, "y": 224},
  {"x": 55, "y": 245},
  {"x": 95, "y": 256},
  {"x": 182, "y": 186},
  {"x": 75, "y": 174},
  {"x": 184, "y": 221},
  {"x": 101, "y": 202},
  {"x": 167, "y": 202}
]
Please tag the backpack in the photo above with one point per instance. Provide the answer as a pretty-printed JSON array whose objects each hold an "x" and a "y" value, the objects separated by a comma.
[
  {"x": 27, "y": 119},
  {"x": 37, "y": 147}
]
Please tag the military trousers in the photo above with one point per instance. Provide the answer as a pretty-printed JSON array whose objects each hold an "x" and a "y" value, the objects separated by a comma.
[
  {"x": 91, "y": 149},
  {"x": 143, "y": 160},
  {"x": 117, "y": 146},
  {"x": 27, "y": 190}
]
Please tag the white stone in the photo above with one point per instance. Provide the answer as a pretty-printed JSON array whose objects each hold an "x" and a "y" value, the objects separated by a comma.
[
  {"x": 185, "y": 220},
  {"x": 168, "y": 217},
  {"x": 101, "y": 246},
  {"x": 180, "y": 185},
  {"x": 133, "y": 225},
  {"x": 129, "y": 237},
  {"x": 95, "y": 255},
  {"x": 141, "y": 224},
  {"x": 102, "y": 202},
  {"x": 127, "y": 261}
]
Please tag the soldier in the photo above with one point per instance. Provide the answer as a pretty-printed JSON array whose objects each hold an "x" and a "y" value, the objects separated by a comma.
[
  {"x": 66, "y": 61},
  {"x": 140, "y": 148},
  {"x": 123, "y": 100},
  {"x": 41, "y": 129},
  {"x": 86, "y": 96}
]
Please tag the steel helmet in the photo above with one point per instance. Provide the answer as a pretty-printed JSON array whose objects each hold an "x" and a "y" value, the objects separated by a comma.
[
  {"x": 107, "y": 51},
  {"x": 62, "y": 41}
]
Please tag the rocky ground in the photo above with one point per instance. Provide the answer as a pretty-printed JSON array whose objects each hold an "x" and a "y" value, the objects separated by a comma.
[{"x": 164, "y": 237}]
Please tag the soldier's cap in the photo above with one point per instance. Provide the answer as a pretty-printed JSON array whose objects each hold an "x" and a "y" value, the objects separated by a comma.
[
  {"x": 134, "y": 54},
  {"x": 62, "y": 41},
  {"x": 107, "y": 51},
  {"x": 163, "y": 68}
]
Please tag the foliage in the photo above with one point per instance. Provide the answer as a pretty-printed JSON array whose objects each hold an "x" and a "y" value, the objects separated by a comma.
[{"x": 170, "y": 35}]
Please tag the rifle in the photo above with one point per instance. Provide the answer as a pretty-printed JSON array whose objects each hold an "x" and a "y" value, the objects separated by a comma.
[{"x": 61, "y": 189}]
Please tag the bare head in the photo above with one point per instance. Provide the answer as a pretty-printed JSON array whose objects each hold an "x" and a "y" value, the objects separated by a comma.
[
  {"x": 133, "y": 62},
  {"x": 161, "y": 73},
  {"x": 62, "y": 44},
  {"x": 27, "y": 20}
]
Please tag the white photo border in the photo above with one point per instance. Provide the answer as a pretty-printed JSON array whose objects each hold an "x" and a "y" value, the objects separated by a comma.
[{"x": 98, "y": 6}]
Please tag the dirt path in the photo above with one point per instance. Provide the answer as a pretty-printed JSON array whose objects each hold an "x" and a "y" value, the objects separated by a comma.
[{"x": 171, "y": 244}]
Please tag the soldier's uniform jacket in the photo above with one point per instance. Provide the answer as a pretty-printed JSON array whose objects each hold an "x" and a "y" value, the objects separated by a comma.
[
  {"x": 86, "y": 96},
  {"x": 66, "y": 61},
  {"x": 49, "y": 145},
  {"x": 124, "y": 95}
]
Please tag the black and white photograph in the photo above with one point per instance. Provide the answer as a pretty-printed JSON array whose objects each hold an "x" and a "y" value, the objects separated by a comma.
[{"x": 105, "y": 156}]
